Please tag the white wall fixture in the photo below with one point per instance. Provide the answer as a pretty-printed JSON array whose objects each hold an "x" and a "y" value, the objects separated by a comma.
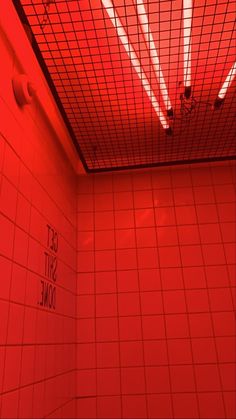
[{"x": 23, "y": 89}]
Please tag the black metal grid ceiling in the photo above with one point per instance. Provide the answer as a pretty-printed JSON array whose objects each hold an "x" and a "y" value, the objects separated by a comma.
[{"x": 104, "y": 91}]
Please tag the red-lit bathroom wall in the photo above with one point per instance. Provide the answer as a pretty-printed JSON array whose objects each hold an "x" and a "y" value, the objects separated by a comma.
[
  {"x": 37, "y": 219},
  {"x": 156, "y": 272}
]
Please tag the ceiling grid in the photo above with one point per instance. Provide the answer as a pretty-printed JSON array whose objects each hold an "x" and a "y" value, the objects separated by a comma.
[{"x": 98, "y": 58}]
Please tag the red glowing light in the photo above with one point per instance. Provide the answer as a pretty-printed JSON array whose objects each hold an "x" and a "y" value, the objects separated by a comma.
[
  {"x": 187, "y": 23},
  {"x": 143, "y": 19},
  {"x": 227, "y": 82},
  {"x": 134, "y": 60}
]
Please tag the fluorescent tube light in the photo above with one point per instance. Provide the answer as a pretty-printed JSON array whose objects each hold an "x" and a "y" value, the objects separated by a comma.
[
  {"x": 221, "y": 95},
  {"x": 143, "y": 19},
  {"x": 187, "y": 22},
  {"x": 134, "y": 60}
]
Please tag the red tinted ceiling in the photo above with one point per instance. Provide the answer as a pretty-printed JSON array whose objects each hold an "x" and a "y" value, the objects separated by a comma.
[{"x": 103, "y": 96}]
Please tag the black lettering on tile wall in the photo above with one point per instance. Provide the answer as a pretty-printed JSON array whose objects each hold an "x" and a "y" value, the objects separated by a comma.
[{"x": 48, "y": 288}]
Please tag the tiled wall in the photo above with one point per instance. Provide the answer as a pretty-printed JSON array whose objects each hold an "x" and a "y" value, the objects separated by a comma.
[
  {"x": 153, "y": 335},
  {"x": 37, "y": 215},
  {"x": 156, "y": 277}
]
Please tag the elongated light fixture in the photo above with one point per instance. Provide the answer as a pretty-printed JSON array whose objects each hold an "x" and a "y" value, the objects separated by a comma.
[
  {"x": 221, "y": 95},
  {"x": 143, "y": 19},
  {"x": 135, "y": 62},
  {"x": 187, "y": 23}
]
